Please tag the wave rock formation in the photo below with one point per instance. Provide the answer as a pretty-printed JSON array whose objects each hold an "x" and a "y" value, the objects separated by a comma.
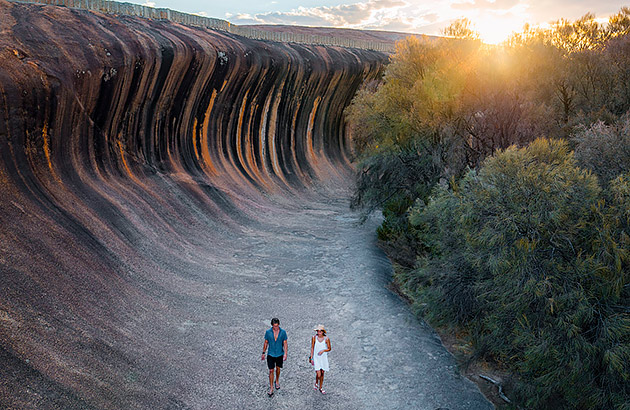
[{"x": 126, "y": 145}]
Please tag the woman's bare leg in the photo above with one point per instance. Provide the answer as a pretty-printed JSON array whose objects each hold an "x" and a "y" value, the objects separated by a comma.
[{"x": 321, "y": 380}]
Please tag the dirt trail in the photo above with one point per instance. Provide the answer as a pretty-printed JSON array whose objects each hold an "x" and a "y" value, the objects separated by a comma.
[{"x": 309, "y": 265}]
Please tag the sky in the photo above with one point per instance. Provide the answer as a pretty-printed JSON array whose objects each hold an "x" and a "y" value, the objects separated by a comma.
[{"x": 493, "y": 19}]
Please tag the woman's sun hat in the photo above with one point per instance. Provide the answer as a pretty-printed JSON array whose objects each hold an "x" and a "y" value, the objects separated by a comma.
[{"x": 320, "y": 327}]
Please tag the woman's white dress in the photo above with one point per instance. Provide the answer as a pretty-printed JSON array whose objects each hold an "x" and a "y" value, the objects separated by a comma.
[{"x": 320, "y": 362}]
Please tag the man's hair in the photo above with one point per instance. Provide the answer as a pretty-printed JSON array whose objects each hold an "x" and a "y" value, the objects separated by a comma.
[{"x": 274, "y": 321}]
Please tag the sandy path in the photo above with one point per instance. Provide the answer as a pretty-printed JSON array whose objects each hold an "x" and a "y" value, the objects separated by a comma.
[{"x": 307, "y": 265}]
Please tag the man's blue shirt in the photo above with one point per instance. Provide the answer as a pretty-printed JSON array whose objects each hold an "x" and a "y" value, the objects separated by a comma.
[{"x": 276, "y": 347}]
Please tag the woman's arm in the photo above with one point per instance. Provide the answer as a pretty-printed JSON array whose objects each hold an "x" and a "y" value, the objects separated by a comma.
[
  {"x": 312, "y": 347},
  {"x": 325, "y": 350}
]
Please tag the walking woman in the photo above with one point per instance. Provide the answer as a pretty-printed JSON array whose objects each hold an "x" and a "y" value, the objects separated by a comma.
[{"x": 320, "y": 346}]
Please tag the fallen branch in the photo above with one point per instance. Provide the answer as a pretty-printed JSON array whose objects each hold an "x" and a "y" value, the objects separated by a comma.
[{"x": 499, "y": 385}]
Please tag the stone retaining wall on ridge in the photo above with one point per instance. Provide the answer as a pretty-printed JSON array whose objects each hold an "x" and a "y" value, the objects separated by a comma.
[{"x": 129, "y": 9}]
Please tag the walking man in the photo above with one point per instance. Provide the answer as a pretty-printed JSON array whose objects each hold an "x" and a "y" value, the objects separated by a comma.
[{"x": 276, "y": 341}]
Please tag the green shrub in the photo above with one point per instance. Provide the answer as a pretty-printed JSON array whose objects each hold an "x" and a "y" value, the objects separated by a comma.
[
  {"x": 442, "y": 284},
  {"x": 604, "y": 149},
  {"x": 390, "y": 181},
  {"x": 396, "y": 236},
  {"x": 394, "y": 175},
  {"x": 527, "y": 254}
]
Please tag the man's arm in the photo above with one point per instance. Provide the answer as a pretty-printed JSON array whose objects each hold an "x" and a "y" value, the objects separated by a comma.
[
  {"x": 286, "y": 349},
  {"x": 264, "y": 349}
]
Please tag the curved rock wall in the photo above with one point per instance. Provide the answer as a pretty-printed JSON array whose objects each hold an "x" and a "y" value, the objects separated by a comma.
[{"x": 126, "y": 146}]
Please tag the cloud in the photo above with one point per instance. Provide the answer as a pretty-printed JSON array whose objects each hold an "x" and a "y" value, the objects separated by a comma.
[
  {"x": 550, "y": 10},
  {"x": 383, "y": 14},
  {"x": 495, "y": 18},
  {"x": 149, "y": 3},
  {"x": 485, "y": 4}
]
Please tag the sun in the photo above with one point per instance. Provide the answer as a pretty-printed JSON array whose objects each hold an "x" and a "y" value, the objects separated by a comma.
[{"x": 495, "y": 30}]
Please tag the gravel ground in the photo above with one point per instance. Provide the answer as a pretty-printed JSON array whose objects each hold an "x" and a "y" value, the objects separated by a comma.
[{"x": 307, "y": 265}]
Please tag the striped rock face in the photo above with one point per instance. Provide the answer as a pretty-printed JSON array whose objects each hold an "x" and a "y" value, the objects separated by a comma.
[{"x": 134, "y": 153}]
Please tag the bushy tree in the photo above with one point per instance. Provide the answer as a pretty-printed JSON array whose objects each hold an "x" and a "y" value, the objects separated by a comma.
[
  {"x": 394, "y": 113},
  {"x": 617, "y": 58},
  {"x": 528, "y": 256},
  {"x": 390, "y": 181},
  {"x": 526, "y": 247},
  {"x": 604, "y": 149},
  {"x": 456, "y": 102},
  {"x": 461, "y": 29}
]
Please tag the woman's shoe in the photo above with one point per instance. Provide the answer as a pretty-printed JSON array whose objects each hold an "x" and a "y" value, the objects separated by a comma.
[
  {"x": 315, "y": 386},
  {"x": 322, "y": 391}
]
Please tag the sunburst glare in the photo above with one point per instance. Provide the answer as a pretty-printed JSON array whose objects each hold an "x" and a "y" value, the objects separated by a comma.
[{"x": 496, "y": 29}]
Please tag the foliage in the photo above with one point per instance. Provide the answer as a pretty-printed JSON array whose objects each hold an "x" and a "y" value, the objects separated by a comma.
[
  {"x": 391, "y": 180},
  {"x": 619, "y": 24},
  {"x": 456, "y": 102},
  {"x": 527, "y": 255},
  {"x": 418, "y": 96},
  {"x": 604, "y": 149},
  {"x": 462, "y": 29},
  {"x": 583, "y": 34},
  {"x": 394, "y": 175},
  {"x": 527, "y": 245}
]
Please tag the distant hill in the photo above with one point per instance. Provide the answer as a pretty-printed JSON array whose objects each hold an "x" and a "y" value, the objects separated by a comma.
[{"x": 366, "y": 35}]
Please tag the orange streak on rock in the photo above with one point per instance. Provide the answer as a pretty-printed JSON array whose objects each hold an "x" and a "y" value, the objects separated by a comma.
[
  {"x": 239, "y": 131},
  {"x": 262, "y": 137},
  {"x": 46, "y": 147},
  {"x": 309, "y": 131},
  {"x": 271, "y": 137},
  {"x": 255, "y": 168},
  {"x": 246, "y": 160},
  {"x": 124, "y": 160},
  {"x": 296, "y": 163},
  {"x": 249, "y": 156},
  {"x": 195, "y": 138},
  {"x": 45, "y": 136},
  {"x": 3, "y": 178},
  {"x": 206, "y": 162}
]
